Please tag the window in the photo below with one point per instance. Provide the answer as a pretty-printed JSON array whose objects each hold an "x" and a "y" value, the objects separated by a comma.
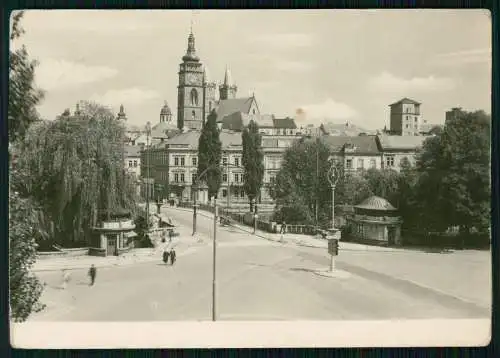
[
  {"x": 361, "y": 163},
  {"x": 236, "y": 162},
  {"x": 236, "y": 178},
  {"x": 176, "y": 161},
  {"x": 224, "y": 161},
  {"x": 253, "y": 111},
  {"x": 130, "y": 163},
  {"x": 389, "y": 161},
  {"x": 224, "y": 193},
  {"x": 416, "y": 119},
  {"x": 182, "y": 161},
  {"x": 176, "y": 177},
  {"x": 407, "y": 126},
  {"x": 373, "y": 163},
  {"x": 193, "y": 115},
  {"x": 210, "y": 106},
  {"x": 236, "y": 192},
  {"x": 193, "y": 161},
  {"x": 135, "y": 163},
  {"x": 194, "y": 97},
  {"x": 193, "y": 178},
  {"x": 272, "y": 178},
  {"x": 348, "y": 163},
  {"x": 242, "y": 194},
  {"x": 182, "y": 177},
  {"x": 224, "y": 178}
]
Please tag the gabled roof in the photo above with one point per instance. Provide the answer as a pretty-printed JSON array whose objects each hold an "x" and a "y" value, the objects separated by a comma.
[
  {"x": 229, "y": 106},
  {"x": 237, "y": 121},
  {"x": 397, "y": 142},
  {"x": 405, "y": 100},
  {"x": 162, "y": 129},
  {"x": 288, "y": 123},
  {"x": 336, "y": 129},
  {"x": 189, "y": 140},
  {"x": 362, "y": 145},
  {"x": 132, "y": 151},
  {"x": 376, "y": 203}
]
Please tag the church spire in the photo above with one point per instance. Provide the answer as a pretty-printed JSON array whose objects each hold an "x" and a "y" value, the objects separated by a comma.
[{"x": 191, "y": 50}]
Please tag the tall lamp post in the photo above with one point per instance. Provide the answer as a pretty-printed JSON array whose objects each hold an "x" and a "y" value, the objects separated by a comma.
[
  {"x": 333, "y": 244},
  {"x": 148, "y": 163}
]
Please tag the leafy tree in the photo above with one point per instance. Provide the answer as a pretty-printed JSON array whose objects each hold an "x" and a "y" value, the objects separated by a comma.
[
  {"x": 384, "y": 183},
  {"x": 454, "y": 174},
  {"x": 74, "y": 168},
  {"x": 24, "y": 228},
  {"x": 253, "y": 162},
  {"x": 209, "y": 155},
  {"x": 23, "y": 95}
]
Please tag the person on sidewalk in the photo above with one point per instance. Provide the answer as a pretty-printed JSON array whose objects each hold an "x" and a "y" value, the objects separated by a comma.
[
  {"x": 66, "y": 278},
  {"x": 92, "y": 274},
  {"x": 172, "y": 256},
  {"x": 165, "y": 256},
  {"x": 282, "y": 230}
]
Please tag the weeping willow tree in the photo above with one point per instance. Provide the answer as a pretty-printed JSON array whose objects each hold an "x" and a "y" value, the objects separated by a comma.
[{"x": 74, "y": 167}]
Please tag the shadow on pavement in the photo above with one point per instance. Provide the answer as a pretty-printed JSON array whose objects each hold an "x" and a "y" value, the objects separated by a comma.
[{"x": 302, "y": 269}]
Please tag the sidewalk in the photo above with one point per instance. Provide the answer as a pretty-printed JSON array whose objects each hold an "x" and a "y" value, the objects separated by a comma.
[
  {"x": 297, "y": 239},
  {"x": 181, "y": 243}
]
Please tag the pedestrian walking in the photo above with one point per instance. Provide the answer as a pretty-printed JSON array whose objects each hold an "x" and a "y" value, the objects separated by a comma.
[
  {"x": 172, "y": 256},
  {"x": 66, "y": 278},
  {"x": 92, "y": 274},
  {"x": 165, "y": 256},
  {"x": 282, "y": 230}
]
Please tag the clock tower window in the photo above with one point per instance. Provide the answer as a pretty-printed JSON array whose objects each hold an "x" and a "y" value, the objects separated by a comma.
[
  {"x": 193, "y": 115},
  {"x": 194, "y": 97}
]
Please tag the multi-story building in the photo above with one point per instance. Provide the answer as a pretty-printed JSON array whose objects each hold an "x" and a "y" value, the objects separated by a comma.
[
  {"x": 396, "y": 149},
  {"x": 405, "y": 118},
  {"x": 356, "y": 153},
  {"x": 454, "y": 113}
]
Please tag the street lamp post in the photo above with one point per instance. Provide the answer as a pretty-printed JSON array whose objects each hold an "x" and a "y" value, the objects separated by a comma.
[
  {"x": 214, "y": 265},
  {"x": 333, "y": 244},
  {"x": 148, "y": 133}
]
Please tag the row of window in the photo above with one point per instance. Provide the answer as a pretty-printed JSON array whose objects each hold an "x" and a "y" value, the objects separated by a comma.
[
  {"x": 236, "y": 193},
  {"x": 236, "y": 161},
  {"x": 180, "y": 161},
  {"x": 238, "y": 178},
  {"x": 408, "y": 118},
  {"x": 361, "y": 163},
  {"x": 132, "y": 163}
]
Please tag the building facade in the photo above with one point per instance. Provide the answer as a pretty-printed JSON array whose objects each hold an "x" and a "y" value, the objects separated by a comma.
[
  {"x": 397, "y": 149},
  {"x": 405, "y": 118},
  {"x": 357, "y": 154}
]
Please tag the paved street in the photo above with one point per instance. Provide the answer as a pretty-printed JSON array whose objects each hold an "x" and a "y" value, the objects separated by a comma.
[{"x": 260, "y": 279}]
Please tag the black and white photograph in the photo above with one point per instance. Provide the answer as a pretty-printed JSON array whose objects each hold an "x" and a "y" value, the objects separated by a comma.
[{"x": 249, "y": 178}]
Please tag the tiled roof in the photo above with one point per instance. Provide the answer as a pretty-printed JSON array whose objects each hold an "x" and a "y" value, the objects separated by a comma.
[
  {"x": 229, "y": 106},
  {"x": 395, "y": 142},
  {"x": 161, "y": 129},
  {"x": 189, "y": 140},
  {"x": 288, "y": 123},
  {"x": 336, "y": 129},
  {"x": 376, "y": 203},
  {"x": 238, "y": 120},
  {"x": 362, "y": 144},
  {"x": 132, "y": 151},
  {"x": 405, "y": 101}
]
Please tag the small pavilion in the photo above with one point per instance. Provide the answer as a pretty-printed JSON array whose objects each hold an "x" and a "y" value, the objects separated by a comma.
[
  {"x": 113, "y": 234},
  {"x": 375, "y": 220}
]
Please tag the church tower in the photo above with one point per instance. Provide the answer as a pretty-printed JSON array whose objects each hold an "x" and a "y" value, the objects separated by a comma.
[
  {"x": 190, "y": 89},
  {"x": 228, "y": 89},
  {"x": 121, "y": 116}
]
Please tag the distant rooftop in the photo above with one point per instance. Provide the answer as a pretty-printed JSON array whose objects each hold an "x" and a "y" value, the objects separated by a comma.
[{"x": 405, "y": 100}]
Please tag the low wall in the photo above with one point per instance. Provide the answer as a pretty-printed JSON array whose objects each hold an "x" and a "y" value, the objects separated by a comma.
[
  {"x": 64, "y": 253},
  {"x": 97, "y": 251}
]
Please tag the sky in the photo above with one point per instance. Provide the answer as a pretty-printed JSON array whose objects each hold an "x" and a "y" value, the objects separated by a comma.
[{"x": 336, "y": 65}]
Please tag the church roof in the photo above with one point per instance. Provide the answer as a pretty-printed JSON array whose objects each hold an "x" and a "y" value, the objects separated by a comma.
[
  {"x": 405, "y": 100},
  {"x": 229, "y": 106},
  {"x": 376, "y": 203},
  {"x": 132, "y": 151}
]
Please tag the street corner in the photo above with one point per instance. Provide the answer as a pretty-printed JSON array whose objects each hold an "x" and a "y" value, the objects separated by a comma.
[{"x": 339, "y": 274}]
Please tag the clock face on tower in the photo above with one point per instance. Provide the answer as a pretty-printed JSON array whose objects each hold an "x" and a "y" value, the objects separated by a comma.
[{"x": 191, "y": 79}]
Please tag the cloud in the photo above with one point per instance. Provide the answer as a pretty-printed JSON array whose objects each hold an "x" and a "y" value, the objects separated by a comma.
[
  {"x": 61, "y": 74},
  {"x": 289, "y": 40},
  {"x": 128, "y": 96},
  {"x": 387, "y": 82},
  {"x": 329, "y": 109},
  {"x": 459, "y": 58}
]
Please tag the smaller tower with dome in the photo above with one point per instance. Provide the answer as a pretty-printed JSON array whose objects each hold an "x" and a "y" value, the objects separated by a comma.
[
  {"x": 121, "y": 116},
  {"x": 165, "y": 114}
]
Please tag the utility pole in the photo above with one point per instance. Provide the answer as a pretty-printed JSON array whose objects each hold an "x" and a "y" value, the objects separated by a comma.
[
  {"x": 195, "y": 186},
  {"x": 317, "y": 180},
  {"x": 214, "y": 265},
  {"x": 228, "y": 185}
]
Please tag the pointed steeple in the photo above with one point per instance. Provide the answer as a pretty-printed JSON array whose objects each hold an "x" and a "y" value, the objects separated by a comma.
[
  {"x": 227, "y": 77},
  {"x": 191, "y": 50}
]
